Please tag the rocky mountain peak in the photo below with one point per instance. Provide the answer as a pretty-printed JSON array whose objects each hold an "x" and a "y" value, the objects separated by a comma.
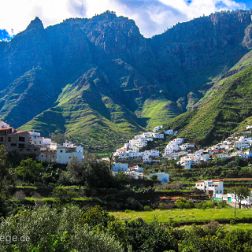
[{"x": 36, "y": 24}]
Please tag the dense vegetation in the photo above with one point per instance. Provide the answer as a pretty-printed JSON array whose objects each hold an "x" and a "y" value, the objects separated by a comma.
[{"x": 70, "y": 228}]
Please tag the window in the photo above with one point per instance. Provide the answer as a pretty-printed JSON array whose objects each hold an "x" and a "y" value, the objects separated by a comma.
[
  {"x": 13, "y": 145},
  {"x": 21, "y": 139},
  {"x": 9, "y": 139},
  {"x": 21, "y": 146},
  {"x": 1, "y": 139}
]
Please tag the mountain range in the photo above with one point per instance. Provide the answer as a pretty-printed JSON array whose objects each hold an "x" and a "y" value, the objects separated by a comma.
[{"x": 99, "y": 81}]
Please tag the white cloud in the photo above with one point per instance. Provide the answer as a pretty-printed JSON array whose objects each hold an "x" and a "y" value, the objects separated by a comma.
[
  {"x": 152, "y": 16},
  {"x": 199, "y": 7}
]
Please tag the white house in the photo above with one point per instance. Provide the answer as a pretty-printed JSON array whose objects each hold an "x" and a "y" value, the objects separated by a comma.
[
  {"x": 187, "y": 146},
  {"x": 147, "y": 159},
  {"x": 120, "y": 167},
  {"x": 147, "y": 134},
  {"x": 158, "y": 136},
  {"x": 137, "y": 168},
  {"x": 169, "y": 132},
  {"x": 243, "y": 143},
  {"x": 65, "y": 153},
  {"x": 170, "y": 148},
  {"x": 231, "y": 198},
  {"x": 135, "y": 175},
  {"x": 152, "y": 153},
  {"x": 38, "y": 140},
  {"x": 211, "y": 187},
  {"x": 178, "y": 140}
]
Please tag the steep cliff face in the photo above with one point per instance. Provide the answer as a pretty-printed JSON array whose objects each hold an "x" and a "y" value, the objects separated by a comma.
[
  {"x": 126, "y": 77},
  {"x": 27, "y": 50},
  {"x": 191, "y": 53},
  {"x": 247, "y": 41}
]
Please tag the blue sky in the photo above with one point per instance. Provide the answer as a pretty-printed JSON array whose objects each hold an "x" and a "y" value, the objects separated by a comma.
[
  {"x": 151, "y": 16},
  {"x": 248, "y": 3}
]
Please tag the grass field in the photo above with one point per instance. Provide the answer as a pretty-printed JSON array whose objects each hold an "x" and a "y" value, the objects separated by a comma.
[
  {"x": 185, "y": 215},
  {"x": 226, "y": 227},
  {"x": 239, "y": 226}
]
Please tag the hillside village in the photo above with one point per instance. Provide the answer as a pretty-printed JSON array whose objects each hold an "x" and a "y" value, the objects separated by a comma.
[
  {"x": 31, "y": 143},
  {"x": 178, "y": 149},
  {"x": 186, "y": 155},
  {"x": 136, "y": 152}
]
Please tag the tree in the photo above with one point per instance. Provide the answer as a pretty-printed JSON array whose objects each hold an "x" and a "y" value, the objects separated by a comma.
[
  {"x": 93, "y": 173},
  {"x": 3, "y": 162},
  {"x": 96, "y": 216},
  {"x": 241, "y": 193},
  {"x": 4, "y": 174},
  {"x": 52, "y": 229},
  {"x": 149, "y": 237},
  {"x": 76, "y": 171},
  {"x": 29, "y": 170},
  {"x": 98, "y": 175}
]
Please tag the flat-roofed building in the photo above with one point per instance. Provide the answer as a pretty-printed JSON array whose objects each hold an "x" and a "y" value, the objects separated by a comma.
[{"x": 17, "y": 141}]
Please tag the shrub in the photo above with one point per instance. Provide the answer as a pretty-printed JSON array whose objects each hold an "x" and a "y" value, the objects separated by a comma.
[
  {"x": 183, "y": 203},
  {"x": 55, "y": 230}
]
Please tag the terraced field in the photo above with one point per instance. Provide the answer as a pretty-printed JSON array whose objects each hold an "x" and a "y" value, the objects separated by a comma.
[{"x": 185, "y": 216}]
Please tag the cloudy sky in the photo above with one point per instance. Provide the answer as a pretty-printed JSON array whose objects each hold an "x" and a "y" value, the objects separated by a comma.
[{"x": 152, "y": 16}]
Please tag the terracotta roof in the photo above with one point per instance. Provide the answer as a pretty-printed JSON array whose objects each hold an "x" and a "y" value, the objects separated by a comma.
[
  {"x": 3, "y": 129},
  {"x": 237, "y": 179},
  {"x": 20, "y": 132}
]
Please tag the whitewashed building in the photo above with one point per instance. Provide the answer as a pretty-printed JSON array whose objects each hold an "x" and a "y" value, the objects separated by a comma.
[
  {"x": 169, "y": 132},
  {"x": 120, "y": 167},
  {"x": 243, "y": 143},
  {"x": 158, "y": 136},
  {"x": 66, "y": 152},
  {"x": 211, "y": 187}
]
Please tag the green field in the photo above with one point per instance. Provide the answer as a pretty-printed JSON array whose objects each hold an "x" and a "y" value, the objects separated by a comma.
[
  {"x": 185, "y": 215},
  {"x": 239, "y": 226},
  {"x": 226, "y": 227}
]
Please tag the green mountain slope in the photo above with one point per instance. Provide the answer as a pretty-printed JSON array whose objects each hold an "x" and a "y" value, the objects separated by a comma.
[
  {"x": 225, "y": 107},
  {"x": 158, "y": 111},
  {"x": 76, "y": 114}
]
